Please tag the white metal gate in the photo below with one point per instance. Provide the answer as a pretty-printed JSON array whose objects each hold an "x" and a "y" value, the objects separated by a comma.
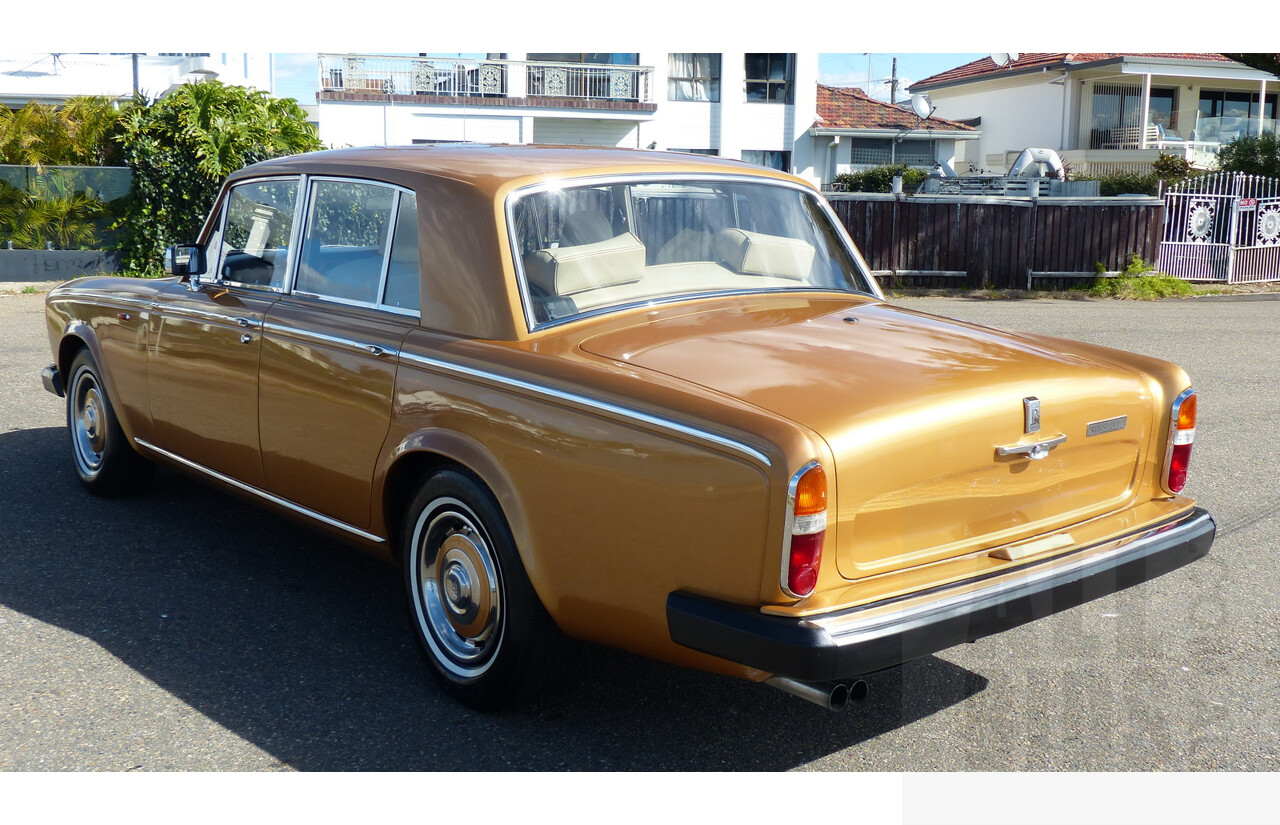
[{"x": 1222, "y": 227}]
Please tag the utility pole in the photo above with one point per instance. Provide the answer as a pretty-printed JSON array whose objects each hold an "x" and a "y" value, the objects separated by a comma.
[
  {"x": 893, "y": 84},
  {"x": 134, "y": 55}
]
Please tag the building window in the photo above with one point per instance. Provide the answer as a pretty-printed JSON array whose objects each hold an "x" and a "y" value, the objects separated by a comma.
[
  {"x": 882, "y": 152},
  {"x": 917, "y": 153},
  {"x": 693, "y": 77},
  {"x": 1117, "y": 110},
  {"x": 769, "y": 78},
  {"x": 774, "y": 160},
  {"x": 871, "y": 151},
  {"x": 711, "y": 152},
  {"x": 1236, "y": 104}
]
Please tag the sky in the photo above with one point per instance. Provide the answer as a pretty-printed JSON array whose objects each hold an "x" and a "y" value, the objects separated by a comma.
[{"x": 296, "y": 73}]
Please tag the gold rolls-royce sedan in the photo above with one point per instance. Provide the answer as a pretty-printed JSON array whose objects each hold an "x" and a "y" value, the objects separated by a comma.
[{"x": 651, "y": 400}]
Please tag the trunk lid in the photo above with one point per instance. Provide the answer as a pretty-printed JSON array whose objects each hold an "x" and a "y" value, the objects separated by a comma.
[{"x": 913, "y": 408}]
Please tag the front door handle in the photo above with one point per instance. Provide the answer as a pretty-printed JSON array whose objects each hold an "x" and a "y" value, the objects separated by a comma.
[{"x": 1035, "y": 450}]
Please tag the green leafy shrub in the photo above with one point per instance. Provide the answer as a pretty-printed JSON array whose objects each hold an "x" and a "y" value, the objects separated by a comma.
[
  {"x": 1252, "y": 155},
  {"x": 1139, "y": 281},
  {"x": 1129, "y": 183},
  {"x": 880, "y": 179},
  {"x": 1171, "y": 169},
  {"x": 181, "y": 148}
]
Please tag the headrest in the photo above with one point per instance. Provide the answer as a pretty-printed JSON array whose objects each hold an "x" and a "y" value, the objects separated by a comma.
[
  {"x": 568, "y": 270},
  {"x": 586, "y": 227},
  {"x": 753, "y": 253}
]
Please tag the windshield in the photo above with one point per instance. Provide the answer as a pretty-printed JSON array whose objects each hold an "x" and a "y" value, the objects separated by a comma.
[{"x": 586, "y": 248}]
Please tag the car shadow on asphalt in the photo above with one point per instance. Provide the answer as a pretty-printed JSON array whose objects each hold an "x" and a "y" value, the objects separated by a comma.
[{"x": 297, "y": 644}]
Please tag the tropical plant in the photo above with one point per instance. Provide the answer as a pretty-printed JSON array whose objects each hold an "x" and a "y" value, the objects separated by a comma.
[
  {"x": 82, "y": 132},
  {"x": 1252, "y": 155},
  {"x": 52, "y": 213},
  {"x": 181, "y": 147}
]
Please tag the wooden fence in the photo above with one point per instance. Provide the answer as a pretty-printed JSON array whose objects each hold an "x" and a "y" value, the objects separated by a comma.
[{"x": 1000, "y": 243}]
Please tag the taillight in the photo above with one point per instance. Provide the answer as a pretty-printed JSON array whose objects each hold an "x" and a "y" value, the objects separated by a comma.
[
  {"x": 1182, "y": 435},
  {"x": 807, "y": 523}
]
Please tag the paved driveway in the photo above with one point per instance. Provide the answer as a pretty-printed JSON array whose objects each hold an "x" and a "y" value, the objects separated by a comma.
[{"x": 185, "y": 629}]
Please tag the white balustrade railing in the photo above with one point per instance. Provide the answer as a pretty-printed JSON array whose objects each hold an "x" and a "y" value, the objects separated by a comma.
[{"x": 462, "y": 77}]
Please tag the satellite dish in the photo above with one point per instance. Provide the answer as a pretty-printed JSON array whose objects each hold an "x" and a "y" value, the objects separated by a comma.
[
  {"x": 1003, "y": 58},
  {"x": 922, "y": 106}
]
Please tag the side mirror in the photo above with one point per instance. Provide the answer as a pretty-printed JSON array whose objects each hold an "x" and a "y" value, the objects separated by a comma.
[{"x": 185, "y": 259}]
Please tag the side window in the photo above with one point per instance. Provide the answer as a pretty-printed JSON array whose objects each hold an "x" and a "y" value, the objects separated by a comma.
[
  {"x": 403, "y": 273},
  {"x": 346, "y": 240},
  {"x": 255, "y": 241}
]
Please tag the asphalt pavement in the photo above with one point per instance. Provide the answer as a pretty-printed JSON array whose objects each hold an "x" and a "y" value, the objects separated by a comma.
[{"x": 186, "y": 629}]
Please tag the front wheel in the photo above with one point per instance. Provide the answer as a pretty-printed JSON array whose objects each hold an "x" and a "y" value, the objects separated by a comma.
[
  {"x": 476, "y": 617},
  {"x": 105, "y": 461}
]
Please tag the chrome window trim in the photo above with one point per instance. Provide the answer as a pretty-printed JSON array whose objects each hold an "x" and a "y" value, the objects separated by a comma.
[
  {"x": 290, "y": 264},
  {"x": 588, "y": 402},
  {"x": 517, "y": 262},
  {"x": 304, "y": 225},
  {"x": 790, "y": 523},
  {"x": 249, "y": 488}
]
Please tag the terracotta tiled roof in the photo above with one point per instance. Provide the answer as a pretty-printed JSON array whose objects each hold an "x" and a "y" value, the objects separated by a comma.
[
  {"x": 849, "y": 108},
  {"x": 985, "y": 66}
]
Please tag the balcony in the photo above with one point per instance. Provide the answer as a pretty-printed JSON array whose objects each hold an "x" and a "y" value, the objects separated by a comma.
[{"x": 444, "y": 80}]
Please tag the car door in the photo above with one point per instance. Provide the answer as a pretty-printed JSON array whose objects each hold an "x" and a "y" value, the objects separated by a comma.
[
  {"x": 207, "y": 340},
  {"x": 331, "y": 347}
]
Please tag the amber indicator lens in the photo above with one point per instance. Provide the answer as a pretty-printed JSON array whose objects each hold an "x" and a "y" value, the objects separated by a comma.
[
  {"x": 811, "y": 493},
  {"x": 1187, "y": 414}
]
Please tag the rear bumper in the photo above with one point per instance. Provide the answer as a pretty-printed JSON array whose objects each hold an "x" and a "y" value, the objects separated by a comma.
[{"x": 848, "y": 643}]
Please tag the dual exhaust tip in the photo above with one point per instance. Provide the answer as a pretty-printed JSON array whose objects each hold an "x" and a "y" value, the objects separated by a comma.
[{"x": 830, "y": 695}]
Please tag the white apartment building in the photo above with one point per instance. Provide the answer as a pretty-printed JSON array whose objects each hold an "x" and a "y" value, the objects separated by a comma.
[
  {"x": 756, "y": 107},
  {"x": 53, "y": 78}
]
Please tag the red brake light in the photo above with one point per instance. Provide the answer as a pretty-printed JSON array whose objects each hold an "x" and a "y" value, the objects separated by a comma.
[
  {"x": 1182, "y": 435},
  {"x": 807, "y": 499}
]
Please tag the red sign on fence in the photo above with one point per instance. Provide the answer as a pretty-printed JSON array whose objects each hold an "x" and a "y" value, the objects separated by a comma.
[{"x": 1248, "y": 203}]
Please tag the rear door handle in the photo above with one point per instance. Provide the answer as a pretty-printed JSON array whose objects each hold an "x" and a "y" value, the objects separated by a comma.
[{"x": 1035, "y": 450}]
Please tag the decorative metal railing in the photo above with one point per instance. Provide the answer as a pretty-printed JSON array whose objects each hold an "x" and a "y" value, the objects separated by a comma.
[
  {"x": 1222, "y": 227},
  {"x": 461, "y": 77}
]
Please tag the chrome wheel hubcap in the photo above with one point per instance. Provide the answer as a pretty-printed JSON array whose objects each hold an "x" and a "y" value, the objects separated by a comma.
[
  {"x": 457, "y": 589},
  {"x": 88, "y": 432}
]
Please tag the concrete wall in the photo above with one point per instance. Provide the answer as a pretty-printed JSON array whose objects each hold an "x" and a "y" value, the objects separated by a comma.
[{"x": 33, "y": 265}]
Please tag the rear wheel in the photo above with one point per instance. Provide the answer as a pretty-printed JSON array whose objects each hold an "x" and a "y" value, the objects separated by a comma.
[
  {"x": 476, "y": 617},
  {"x": 105, "y": 461}
]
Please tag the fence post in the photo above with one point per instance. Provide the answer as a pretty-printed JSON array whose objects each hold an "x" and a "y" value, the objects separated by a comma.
[
  {"x": 893, "y": 236},
  {"x": 1029, "y": 248}
]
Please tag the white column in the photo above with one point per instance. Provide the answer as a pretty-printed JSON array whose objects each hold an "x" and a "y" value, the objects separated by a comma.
[
  {"x": 1146, "y": 110},
  {"x": 517, "y": 78},
  {"x": 1262, "y": 104}
]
